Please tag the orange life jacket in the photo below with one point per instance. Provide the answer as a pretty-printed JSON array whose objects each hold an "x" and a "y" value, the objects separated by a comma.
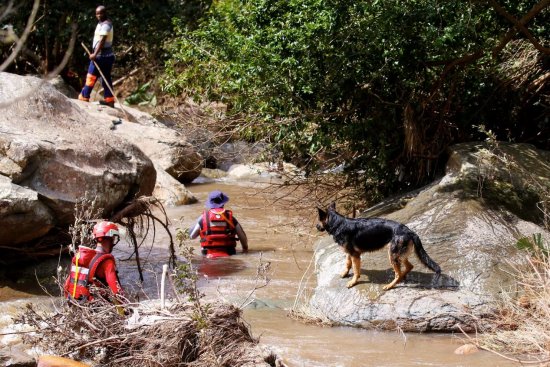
[
  {"x": 83, "y": 269},
  {"x": 218, "y": 229}
]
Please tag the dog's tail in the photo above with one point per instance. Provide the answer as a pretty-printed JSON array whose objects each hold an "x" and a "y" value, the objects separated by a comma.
[{"x": 423, "y": 256}]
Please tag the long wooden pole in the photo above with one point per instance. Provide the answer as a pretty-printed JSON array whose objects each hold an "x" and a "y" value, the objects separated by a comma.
[{"x": 106, "y": 83}]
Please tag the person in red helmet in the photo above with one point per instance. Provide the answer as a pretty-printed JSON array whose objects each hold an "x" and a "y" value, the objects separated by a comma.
[{"x": 95, "y": 266}]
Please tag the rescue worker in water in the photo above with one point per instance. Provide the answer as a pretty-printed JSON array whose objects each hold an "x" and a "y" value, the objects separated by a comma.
[
  {"x": 219, "y": 230},
  {"x": 95, "y": 266}
]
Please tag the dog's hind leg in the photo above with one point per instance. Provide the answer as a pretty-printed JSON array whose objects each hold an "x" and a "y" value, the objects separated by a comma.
[
  {"x": 348, "y": 266},
  {"x": 398, "y": 275},
  {"x": 404, "y": 257},
  {"x": 356, "y": 262},
  {"x": 408, "y": 267},
  {"x": 397, "y": 279}
]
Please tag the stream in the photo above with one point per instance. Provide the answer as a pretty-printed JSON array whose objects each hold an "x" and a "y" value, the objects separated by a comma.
[{"x": 281, "y": 239}]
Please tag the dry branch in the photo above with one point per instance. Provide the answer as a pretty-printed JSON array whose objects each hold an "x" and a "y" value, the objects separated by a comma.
[{"x": 138, "y": 217}]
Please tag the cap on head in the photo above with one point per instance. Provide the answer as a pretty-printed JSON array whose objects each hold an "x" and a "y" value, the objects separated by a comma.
[
  {"x": 216, "y": 199},
  {"x": 106, "y": 229}
]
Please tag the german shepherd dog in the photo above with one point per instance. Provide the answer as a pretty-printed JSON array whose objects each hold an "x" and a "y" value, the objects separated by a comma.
[{"x": 370, "y": 234}]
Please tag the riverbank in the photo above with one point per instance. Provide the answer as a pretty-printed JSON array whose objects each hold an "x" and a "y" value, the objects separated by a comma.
[{"x": 284, "y": 238}]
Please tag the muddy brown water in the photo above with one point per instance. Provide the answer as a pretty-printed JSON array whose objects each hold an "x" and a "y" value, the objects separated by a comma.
[{"x": 281, "y": 238}]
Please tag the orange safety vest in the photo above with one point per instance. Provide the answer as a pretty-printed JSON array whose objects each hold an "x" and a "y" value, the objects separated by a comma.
[
  {"x": 218, "y": 229},
  {"x": 83, "y": 269}
]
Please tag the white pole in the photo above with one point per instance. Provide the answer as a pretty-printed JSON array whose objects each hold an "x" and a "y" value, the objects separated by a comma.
[{"x": 162, "y": 282}]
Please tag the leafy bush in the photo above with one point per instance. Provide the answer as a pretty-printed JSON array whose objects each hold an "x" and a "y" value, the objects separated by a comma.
[
  {"x": 382, "y": 87},
  {"x": 142, "y": 96}
]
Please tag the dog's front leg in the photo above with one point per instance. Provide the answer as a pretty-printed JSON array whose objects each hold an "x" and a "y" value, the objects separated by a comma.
[
  {"x": 356, "y": 262},
  {"x": 348, "y": 266}
]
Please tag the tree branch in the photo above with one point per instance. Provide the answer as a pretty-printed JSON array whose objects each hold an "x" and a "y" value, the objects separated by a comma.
[
  {"x": 21, "y": 41},
  {"x": 520, "y": 26},
  {"x": 535, "y": 10}
]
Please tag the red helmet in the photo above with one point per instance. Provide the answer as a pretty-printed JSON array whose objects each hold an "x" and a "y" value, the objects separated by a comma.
[{"x": 106, "y": 229}]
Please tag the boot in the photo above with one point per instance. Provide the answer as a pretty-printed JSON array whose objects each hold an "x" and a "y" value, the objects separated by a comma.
[{"x": 104, "y": 103}]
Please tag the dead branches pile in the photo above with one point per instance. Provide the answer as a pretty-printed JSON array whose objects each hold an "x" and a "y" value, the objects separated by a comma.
[{"x": 180, "y": 335}]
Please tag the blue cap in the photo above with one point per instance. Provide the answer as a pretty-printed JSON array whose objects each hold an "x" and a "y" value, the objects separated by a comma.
[{"x": 216, "y": 199}]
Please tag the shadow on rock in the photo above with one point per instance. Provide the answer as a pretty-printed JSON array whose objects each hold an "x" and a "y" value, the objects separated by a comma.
[{"x": 415, "y": 279}]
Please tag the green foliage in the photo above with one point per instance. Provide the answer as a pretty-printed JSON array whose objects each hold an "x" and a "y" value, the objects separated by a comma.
[
  {"x": 140, "y": 28},
  {"x": 534, "y": 244},
  {"x": 185, "y": 279},
  {"x": 342, "y": 78},
  {"x": 199, "y": 316},
  {"x": 185, "y": 275},
  {"x": 142, "y": 96}
]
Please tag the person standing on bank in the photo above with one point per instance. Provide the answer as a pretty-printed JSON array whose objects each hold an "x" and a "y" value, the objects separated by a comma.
[
  {"x": 102, "y": 57},
  {"x": 219, "y": 230}
]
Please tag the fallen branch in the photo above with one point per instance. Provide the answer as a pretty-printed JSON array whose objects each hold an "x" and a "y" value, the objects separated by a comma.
[{"x": 121, "y": 79}]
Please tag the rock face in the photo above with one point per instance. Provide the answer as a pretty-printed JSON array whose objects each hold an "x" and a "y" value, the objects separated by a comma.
[
  {"x": 164, "y": 146},
  {"x": 23, "y": 216},
  {"x": 261, "y": 172},
  {"x": 170, "y": 192},
  {"x": 54, "y": 151},
  {"x": 468, "y": 237},
  {"x": 235, "y": 153},
  {"x": 50, "y": 146}
]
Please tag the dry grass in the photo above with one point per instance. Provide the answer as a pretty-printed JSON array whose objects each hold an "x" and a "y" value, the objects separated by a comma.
[{"x": 523, "y": 320}]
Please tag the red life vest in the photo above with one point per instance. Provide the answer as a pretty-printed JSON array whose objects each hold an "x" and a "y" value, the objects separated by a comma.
[
  {"x": 83, "y": 269},
  {"x": 218, "y": 229}
]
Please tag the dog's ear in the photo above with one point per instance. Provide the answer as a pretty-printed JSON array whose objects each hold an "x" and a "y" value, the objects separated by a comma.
[
  {"x": 332, "y": 206},
  {"x": 322, "y": 214}
]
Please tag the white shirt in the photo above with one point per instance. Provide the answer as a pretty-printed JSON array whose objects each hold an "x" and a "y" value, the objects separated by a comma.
[{"x": 104, "y": 29}]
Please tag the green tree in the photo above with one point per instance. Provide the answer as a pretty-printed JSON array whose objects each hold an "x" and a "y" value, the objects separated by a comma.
[
  {"x": 382, "y": 87},
  {"x": 141, "y": 28}
]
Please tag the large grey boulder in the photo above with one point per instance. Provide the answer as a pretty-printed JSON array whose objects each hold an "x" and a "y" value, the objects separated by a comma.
[
  {"x": 168, "y": 148},
  {"x": 470, "y": 237},
  {"x": 236, "y": 153},
  {"x": 22, "y": 215},
  {"x": 170, "y": 192},
  {"x": 51, "y": 146},
  {"x": 262, "y": 172}
]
